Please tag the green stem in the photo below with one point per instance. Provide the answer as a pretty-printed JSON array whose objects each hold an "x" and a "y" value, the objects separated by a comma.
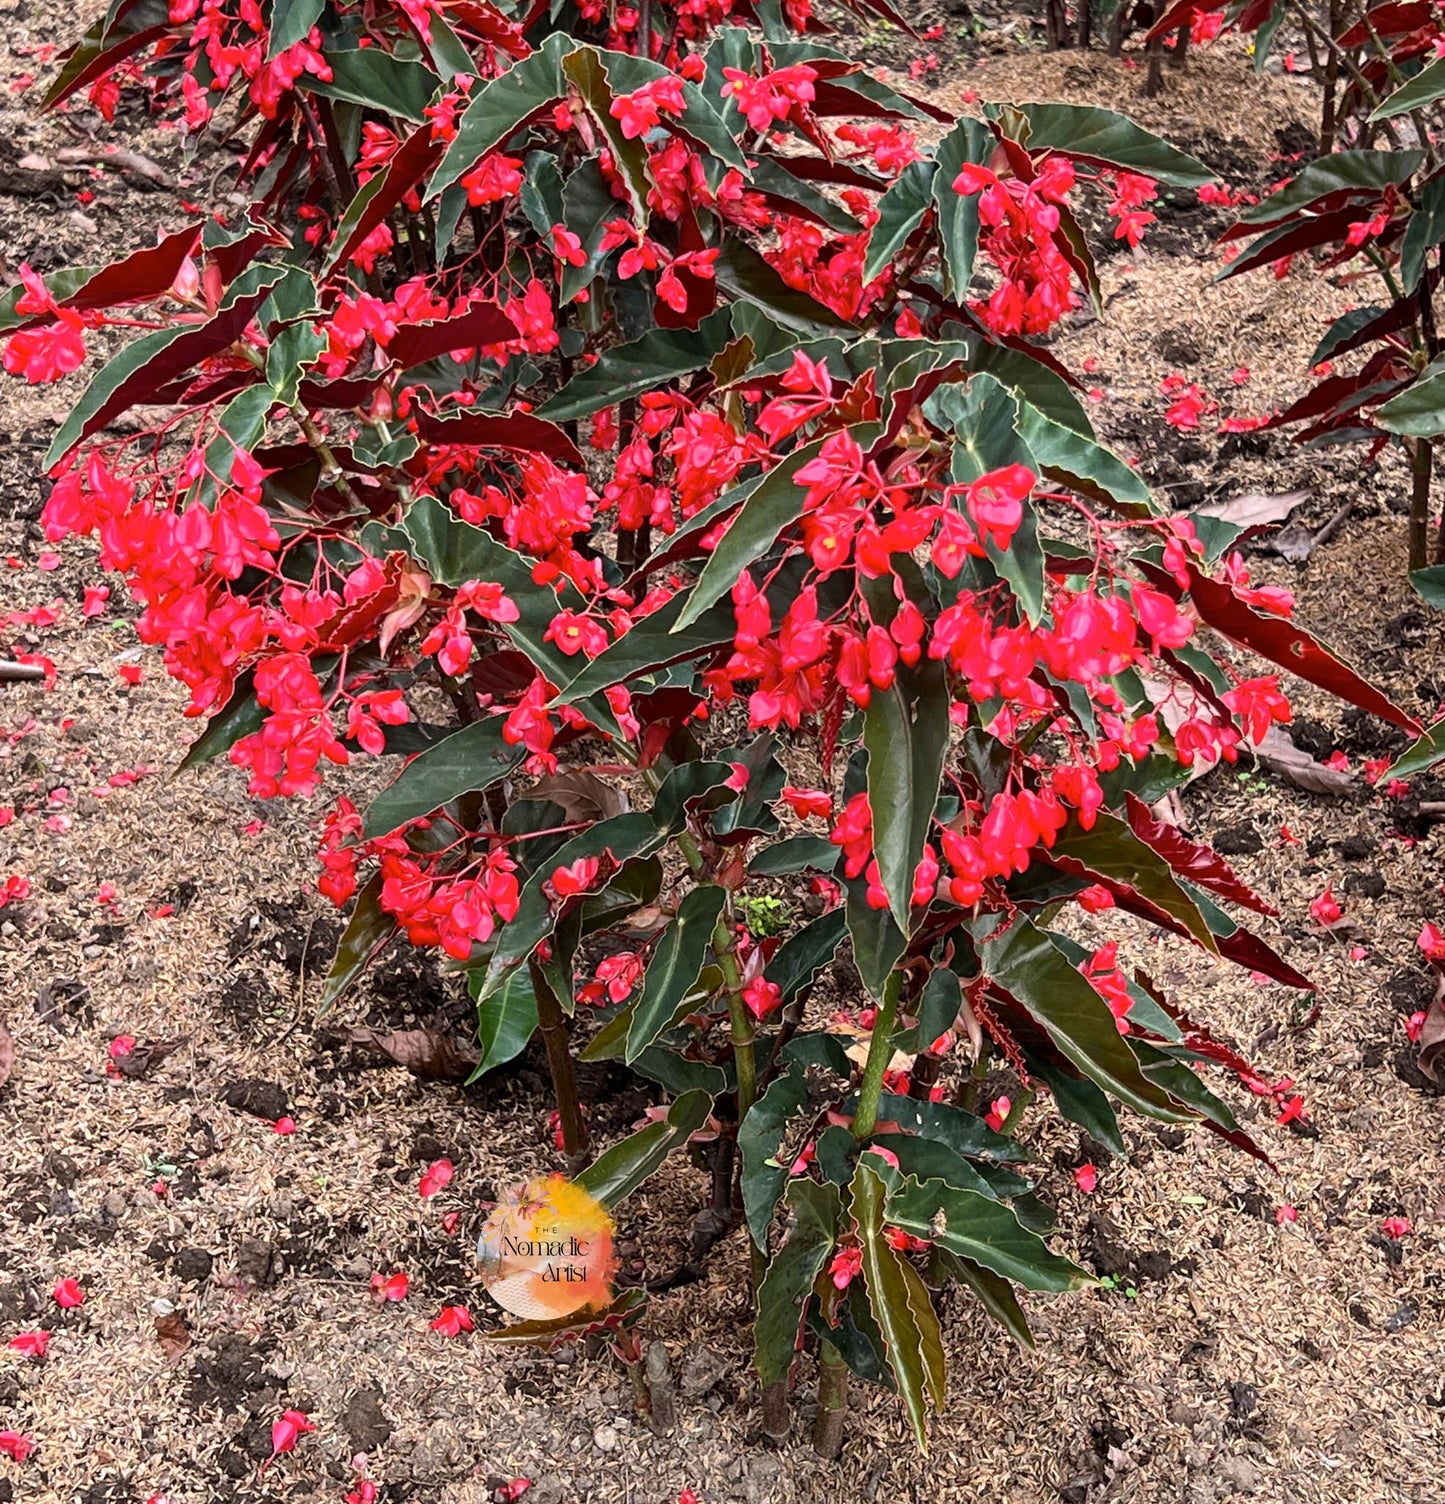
[
  {"x": 832, "y": 1401},
  {"x": 1017, "y": 1108},
  {"x": 552, "y": 1023},
  {"x": 880, "y": 1051},
  {"x": 742, "y": 1032}
]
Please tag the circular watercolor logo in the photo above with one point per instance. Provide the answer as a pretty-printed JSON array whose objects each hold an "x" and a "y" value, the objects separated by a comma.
[{"x": 546, "y": 1251}]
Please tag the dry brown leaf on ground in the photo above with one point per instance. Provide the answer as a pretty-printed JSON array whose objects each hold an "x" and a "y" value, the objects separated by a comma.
[
  {"x": 424, "y": 1052},
  {"x": 173, "y": 1335},
  {"x": 145, "y": 1054},
  {"x": 7, "y": 1053},
  {"x": 1278, "y": 753},
  {"x": 1256, "y": 509}
]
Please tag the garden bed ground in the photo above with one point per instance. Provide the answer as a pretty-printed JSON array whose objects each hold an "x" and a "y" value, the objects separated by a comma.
[{"x": 1233, "y": 1357}]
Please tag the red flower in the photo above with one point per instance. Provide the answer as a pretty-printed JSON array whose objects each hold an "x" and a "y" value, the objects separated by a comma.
[
  {"x": 392, "y": 1288},
  {"x": 1086, "y": 1177},
  {"x": 436, "y": 1178},
  {"x": 1292, "y": 1111},
  {"x": 1325, "y": 910},
  {"x": 31, "y": 1344},
  {"x": 285, "y": 1126},
  {"x": 1283, "y": 1214},
  {"x": 285, "y": 1433},
  {"x": 13, "y": 1444},
  {"x": 998, "y": 1110},
  {"x": 1432, "y": 942},
  {"x": 453, "y": 1321},
  {"x": 1396, "y": 1227},
  {"x": 578, "y": 877},
  {"x": 847, "y": 1263},
  {"x": 67, "y": 1293}
]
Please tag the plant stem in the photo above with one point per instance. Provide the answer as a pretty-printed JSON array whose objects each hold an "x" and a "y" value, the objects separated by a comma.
[
  {"x": 742, "y": 1033},
  {"x": 880, "y": 1051},
  {"x": 553, "y": 1024},
  {"x": 1421, "y": 464},
  {"x": 832, "y": 1401}
]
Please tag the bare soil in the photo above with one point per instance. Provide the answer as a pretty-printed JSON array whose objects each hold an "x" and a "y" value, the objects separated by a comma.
[{"x": 1231, "y": 1358}]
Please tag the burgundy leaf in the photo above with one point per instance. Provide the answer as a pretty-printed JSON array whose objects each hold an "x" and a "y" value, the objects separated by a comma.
[
  {"x": 1197, "y": 863},
  {"x": 481, "y": 324}
]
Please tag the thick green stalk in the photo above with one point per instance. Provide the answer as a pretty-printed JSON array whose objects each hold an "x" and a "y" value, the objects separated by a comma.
[{"x": 880, "y": 1051}]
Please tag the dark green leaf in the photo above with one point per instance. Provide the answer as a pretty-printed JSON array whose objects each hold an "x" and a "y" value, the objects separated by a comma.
[
  {"x": 773, "y": 504},
  {"x": 366, "y": 932},
  {"x": 1424, "y": 232},
  {"x": 1083, "y": 1103},
  {"x": 242, "y": 715},
  {"x": 783, "y": 1295},
  {"x": 1429, "y": 585},
  {"x": 878, "y": 943},
  {"x": 619, "y": 1172},
  {"x": 905, "y": 729},
  {"x": 1420, "y": 409},
  {"x": 676, "y": 962},
  {"x": 900, "y": 212},
  {"x": 501, "y": 105},
  {"x": 506, "y": 1019},
  {"x": 760, "y": 1137},
  {"x": 378, "y": 79},
  {"x": 1425, "y": 88},
  {"x": 968, "y": 141},
  {"x": 291, "y": 22},
  {"x": 1364, "y": 172},
  {"x": 745, "y": 276},
  {"x": 1099, "y": 135},
  {"x": 961, "y": 1131},
  {"x": 796, "y": 854},
  {"x": 994, "y": 1292},
  {"x": 588, "y": 70},
  {"x": 982, "y": 1229},
  {"x": 470, "y": 759},
  {"x": 1083, "y": 464},
  {"x": 804, "y": 954},
  {"x": 1025, "y": 963},
  {"x": 660, "y": 356},
  {"x": 900, "y": 1305}
]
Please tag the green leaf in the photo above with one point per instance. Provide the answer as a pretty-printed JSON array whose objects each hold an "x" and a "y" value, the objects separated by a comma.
[
  {"x": 1023, "y": 960},
  {"x": 1364, "y": 172},
  {"x": 377, "y": 79},
  {"x": 760, "y": 1137},
  {"x": 623, "y": 836},
  {"x": 366, "y": 932},
  {"x": 589, "y": 70},
  {"x": 773, "y": 504},
  {"x": 900, "y": 1305},
  {"x": 1420, "y": 755},
  {"x": 295, "y": 348},
  {"x": 962, "y": 1132},
  {"x": 1429, "y": 585},
  {"x": 1425, "y": 88},
  {"x": 542, "y": 191},
  {"x": 587, "y": 205},
  {"x": 1100, "y": 135},
  {"x": 1111, "y": 850},
  {"x": 1420, "y": 409},
  {"x": 1344, "y": 329},
  {"x": 878, "y": 943},
  {"x": 506, "y": 1019},
  {"x": 677, "y": 960},
  {"x": 783, "y": 1294},
  {"x": 291, "y": 22},
  {"x": 796, "y": 854},
  {"x": 1083, "y": 464},
  {"x": 501, "y": 106},
  {"x": 982, "y": 1229},
  {"x": 700, "y": 122},
  {"x": 1424, "y": 232},
  {"x": 900, "y": 212},
  {"x": 771, "y": 176},
  {"x": 650, "y": 645},
  {"x": 905, "y": 729},
  {"x": 619, "y": 1172},
  {"x": 968, "y": 141},
  {"x": 939, "y": 1005},
  {"x": 994, "y": 1292},
  {"x": 472, "y": 758},
  {"x": 61, "y": 285},
  {"x": 659, "y": 357},
  {"x": 1083, "y": 1103}
]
